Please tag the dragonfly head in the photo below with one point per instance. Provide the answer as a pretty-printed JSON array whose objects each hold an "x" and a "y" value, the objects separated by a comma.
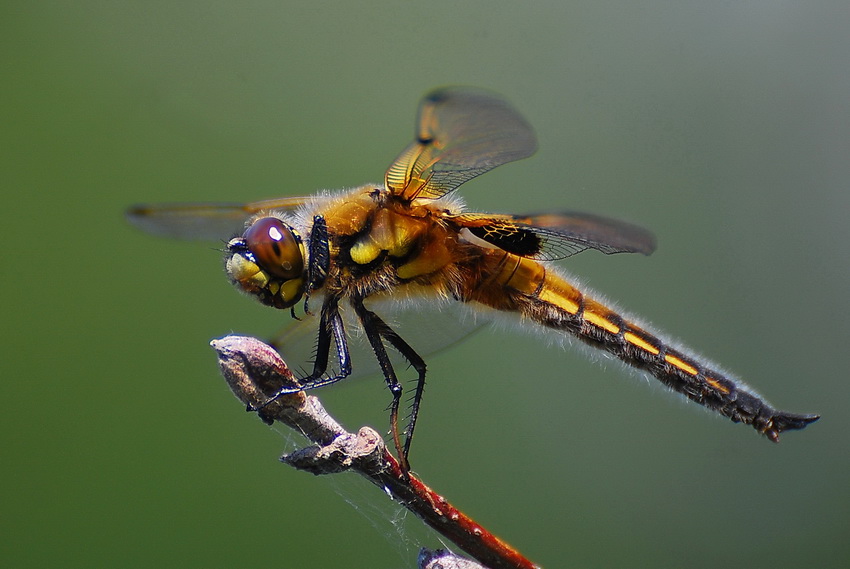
[{"x": 267, "y": 261}]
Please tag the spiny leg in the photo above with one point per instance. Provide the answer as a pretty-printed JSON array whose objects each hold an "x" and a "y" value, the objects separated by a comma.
[
  {"x": 375, "y": 329},
  {"x": 418, "y": 364},
  {"x": 330, "y": 326},
  {"x": 320, "y": 259},
  {"x": 369, "y": 321}
]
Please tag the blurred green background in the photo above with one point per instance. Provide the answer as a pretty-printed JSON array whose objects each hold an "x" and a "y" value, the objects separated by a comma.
[{"x": 723, "y": 127}]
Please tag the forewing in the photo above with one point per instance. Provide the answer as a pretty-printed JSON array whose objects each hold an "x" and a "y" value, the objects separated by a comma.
[
  {"x": 461, "y": 134},
  {"x": 551, "y": 236},
  {"x": 202, "y": 221}
]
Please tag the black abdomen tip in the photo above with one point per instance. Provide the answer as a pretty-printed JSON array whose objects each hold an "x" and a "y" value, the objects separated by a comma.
[{"x": 787, "y": 422}]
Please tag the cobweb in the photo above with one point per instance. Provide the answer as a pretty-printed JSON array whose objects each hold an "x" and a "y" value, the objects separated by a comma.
[{"x": 402, "y": 530}]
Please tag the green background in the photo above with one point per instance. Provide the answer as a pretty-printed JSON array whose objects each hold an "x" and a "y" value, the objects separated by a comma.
[{"x": 723, "y": 127}]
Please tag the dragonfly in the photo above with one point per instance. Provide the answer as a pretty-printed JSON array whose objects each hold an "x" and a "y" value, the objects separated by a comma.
[{"x": 412, "y": 238}]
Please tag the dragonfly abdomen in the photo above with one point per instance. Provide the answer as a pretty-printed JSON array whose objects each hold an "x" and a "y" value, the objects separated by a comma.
[{"x": 525, "y": 286}]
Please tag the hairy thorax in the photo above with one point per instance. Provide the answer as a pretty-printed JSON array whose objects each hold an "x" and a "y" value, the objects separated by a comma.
[{"x": 379, "y": 243}]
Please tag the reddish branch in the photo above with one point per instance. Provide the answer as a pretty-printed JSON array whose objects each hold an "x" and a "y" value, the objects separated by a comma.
[{"x": 255, "y": 371}]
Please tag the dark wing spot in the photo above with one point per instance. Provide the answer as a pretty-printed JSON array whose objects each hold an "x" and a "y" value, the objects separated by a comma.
[{"x": 512, "y": 239}]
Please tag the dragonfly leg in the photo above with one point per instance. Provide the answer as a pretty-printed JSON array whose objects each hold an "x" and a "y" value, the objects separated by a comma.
[
  {"x": 376, "y": 331},
  {"x": 418, "y": 364},
  {"x": 330, "y": 327},
  {"x": 320, "y": 258}
]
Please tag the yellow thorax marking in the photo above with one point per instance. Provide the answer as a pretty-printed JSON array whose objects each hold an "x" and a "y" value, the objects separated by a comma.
[{"x": 389, "y": 232}]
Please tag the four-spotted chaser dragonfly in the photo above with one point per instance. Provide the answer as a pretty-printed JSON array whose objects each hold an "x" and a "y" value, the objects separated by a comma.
[{"x": 408, "y": 238}]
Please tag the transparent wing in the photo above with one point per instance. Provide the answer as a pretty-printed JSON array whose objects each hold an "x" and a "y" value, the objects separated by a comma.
[
  {"x": 202, "y": 221},
  {"x": 461, "y": 134},
  {"x": 552, "y": 236}
]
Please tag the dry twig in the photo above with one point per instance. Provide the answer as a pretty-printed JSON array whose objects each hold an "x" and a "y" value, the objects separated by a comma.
[{"x": 255, "y": 371}]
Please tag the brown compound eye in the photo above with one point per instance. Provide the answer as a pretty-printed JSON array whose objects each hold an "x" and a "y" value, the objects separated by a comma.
[{"x": 275, "y": 247}]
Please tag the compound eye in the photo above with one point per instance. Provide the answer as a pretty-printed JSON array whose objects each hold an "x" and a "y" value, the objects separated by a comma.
[{"x": 275, "y": 247}]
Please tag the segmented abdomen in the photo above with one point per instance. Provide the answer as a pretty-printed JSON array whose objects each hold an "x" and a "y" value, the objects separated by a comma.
[{"x": 518, "y": 284}]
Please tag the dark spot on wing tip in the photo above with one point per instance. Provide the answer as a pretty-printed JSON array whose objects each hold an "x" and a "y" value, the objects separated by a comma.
[
  {"x": 436, "y": 96},
  {"x": 425, "y": 140},
  {"x": 136, "y": 210}
]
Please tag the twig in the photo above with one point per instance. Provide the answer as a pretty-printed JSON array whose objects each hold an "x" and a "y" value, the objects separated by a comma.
[{"x": 254, "y": 371}]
